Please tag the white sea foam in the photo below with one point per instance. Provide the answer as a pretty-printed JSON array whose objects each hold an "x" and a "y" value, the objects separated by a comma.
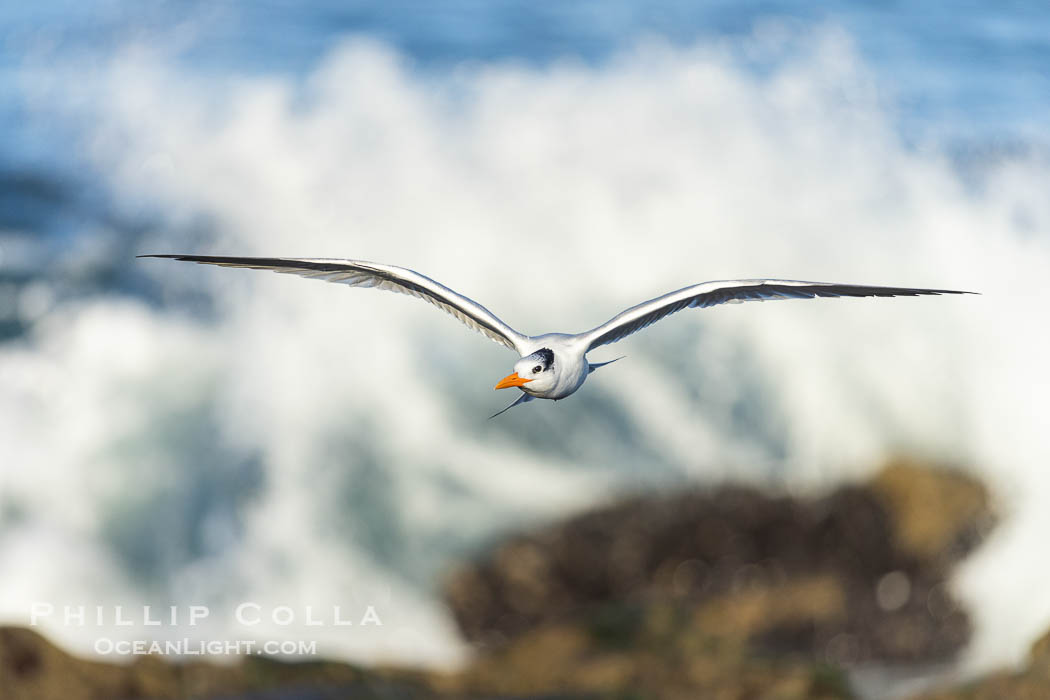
[{"x": 311, "y": 443}]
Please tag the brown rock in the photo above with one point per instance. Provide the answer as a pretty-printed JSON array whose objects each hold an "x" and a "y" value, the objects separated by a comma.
[{"x": 855, "y": 576}]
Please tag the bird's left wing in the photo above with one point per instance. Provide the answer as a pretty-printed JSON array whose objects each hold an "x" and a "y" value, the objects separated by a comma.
[
  {"x": 358, "y": 273},
  {"x": 734, "y": 291}
]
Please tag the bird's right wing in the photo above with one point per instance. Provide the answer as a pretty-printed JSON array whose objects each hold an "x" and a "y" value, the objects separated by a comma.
[
  {"x": 733, "y": 291},
  {"x": 358, "y": 273}
]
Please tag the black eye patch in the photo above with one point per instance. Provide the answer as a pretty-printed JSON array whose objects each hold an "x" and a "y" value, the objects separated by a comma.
[{"x": 546, "y": 357}]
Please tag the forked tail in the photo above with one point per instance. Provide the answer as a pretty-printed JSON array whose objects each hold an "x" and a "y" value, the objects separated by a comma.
[
  {"x": 524, "y": 398},
  {"x": 596, "y": 365}
]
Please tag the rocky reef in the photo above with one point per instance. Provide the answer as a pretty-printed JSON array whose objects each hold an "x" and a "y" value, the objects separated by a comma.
[
  {"x": 724, "y": 593},
  {"x": 855, "y": 576}
]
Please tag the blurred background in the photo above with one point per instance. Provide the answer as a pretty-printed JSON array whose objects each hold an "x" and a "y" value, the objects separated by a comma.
[{"x": 175, "y": 435}]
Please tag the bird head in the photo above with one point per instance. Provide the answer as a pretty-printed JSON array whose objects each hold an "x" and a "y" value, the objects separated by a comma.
[{"x": 534, "y": 373}]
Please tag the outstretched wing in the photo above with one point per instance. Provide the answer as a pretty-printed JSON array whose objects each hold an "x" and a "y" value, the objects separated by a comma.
[
  {"x": 357, "y": 273},
  {"x": 734, "y": 291}
]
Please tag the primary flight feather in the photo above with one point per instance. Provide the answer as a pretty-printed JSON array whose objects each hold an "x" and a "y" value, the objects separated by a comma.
[{"x": 552, "y": 365}]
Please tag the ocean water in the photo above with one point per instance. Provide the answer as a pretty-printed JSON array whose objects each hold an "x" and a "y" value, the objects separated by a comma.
[{"x": 173, "y": 435}]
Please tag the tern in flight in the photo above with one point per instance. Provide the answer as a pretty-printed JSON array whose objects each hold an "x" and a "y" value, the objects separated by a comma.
[{"x": 552, "y": 365}]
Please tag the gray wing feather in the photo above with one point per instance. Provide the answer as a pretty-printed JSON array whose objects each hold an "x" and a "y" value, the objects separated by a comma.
[
  {"x": 358, "y": 273},
  {"x": 732, "y": 292}
]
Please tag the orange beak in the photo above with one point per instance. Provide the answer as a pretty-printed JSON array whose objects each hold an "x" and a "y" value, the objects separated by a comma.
[{"x": 511, "y": 380}]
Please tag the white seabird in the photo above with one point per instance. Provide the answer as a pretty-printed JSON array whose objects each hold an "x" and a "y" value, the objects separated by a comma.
[{"x": 552, "y": 365}]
